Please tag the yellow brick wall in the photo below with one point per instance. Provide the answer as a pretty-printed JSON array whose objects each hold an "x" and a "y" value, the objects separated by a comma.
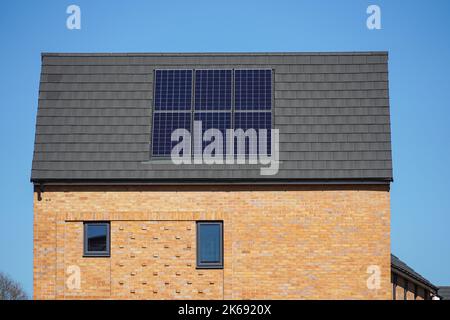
[{"x": 280, "y": 242}]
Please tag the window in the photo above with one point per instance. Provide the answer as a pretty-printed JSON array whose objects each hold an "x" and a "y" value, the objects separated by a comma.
[
  {"x": 220, "y": 98},
  {"x": 209, "y": 244},
  {"x": 96, "y": 239}
]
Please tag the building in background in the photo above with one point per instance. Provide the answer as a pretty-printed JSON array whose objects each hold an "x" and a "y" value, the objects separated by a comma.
[
  {"x": 114, "y": 217},
  {"x": 444, "y": 292},
  {"x": 407, "y": 284}
]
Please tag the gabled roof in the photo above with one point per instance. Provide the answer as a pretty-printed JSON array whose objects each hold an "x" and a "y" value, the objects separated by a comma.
[
  {"x": 95, "y": 115},
  {"x": 402, "y": 267}
]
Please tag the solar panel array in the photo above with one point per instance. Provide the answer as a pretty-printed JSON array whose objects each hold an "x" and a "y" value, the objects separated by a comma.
[{"x": 213, "y": 103}]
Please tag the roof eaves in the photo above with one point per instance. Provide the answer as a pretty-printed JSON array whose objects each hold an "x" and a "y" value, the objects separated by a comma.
[
  {"x": 411, "y": 273},
  {"x": 364, "y": 181}
]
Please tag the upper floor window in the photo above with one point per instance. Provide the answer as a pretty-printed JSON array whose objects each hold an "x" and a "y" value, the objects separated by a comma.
[
  {"x": 209, "y": 244},
  {"x": 96, "y": 239}
]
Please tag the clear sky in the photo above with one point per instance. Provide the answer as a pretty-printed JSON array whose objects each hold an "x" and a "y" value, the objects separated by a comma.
[{"x": 416, "y": 34}]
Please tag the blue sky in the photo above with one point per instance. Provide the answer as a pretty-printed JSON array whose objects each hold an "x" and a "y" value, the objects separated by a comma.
[{"x": 416, "y": 34}]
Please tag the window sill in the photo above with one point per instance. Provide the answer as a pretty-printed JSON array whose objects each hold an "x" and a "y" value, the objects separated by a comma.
[
  {"x": 96, "y": 255},
  {"x": 208, "y": 267}
]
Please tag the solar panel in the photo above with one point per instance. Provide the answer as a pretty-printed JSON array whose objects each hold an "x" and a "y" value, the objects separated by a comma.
[
  {"x": 254, "y": 120},
  {"x": 164, "y": 123},
  {"x": 216, "y": 120},
  {"x": 173, "y": 90},
  {"x": 213, "y": 96},
  {"x": 253, "y": 89},
  {"x": 213, "y": 89}
]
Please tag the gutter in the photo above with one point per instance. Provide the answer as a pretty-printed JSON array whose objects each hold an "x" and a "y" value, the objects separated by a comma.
[{"x": 97, "y": 182}]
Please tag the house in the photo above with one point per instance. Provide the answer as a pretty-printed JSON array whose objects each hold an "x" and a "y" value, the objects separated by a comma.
[
  {"x": 407, "y": 284},
  {"x": 444, "y": 292},
  {"x": 138, "y": 193}
]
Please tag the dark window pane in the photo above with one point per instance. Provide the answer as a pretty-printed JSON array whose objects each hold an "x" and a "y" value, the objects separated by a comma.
[
  {"x": 96, "y": 237},
  {"x": 209, "y": 244}
]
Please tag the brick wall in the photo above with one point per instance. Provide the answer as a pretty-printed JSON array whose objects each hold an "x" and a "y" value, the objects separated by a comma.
[{"x": 280, "y": 242}]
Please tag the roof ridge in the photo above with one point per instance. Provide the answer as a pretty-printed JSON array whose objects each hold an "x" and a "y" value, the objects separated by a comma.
[{"x": 156, "y": 54}]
